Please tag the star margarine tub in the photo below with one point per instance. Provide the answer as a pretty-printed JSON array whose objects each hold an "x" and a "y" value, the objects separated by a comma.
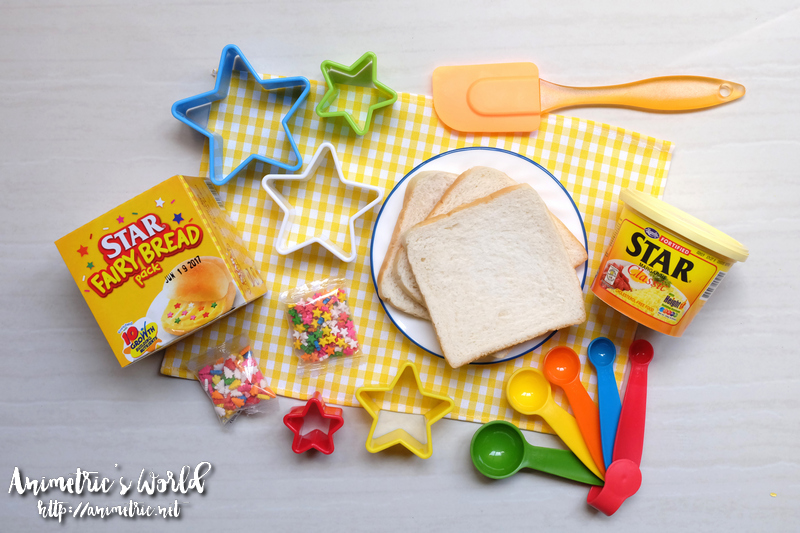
[
  {"x": 662, "y": 264},
  {"x": 161, "y": 265}
]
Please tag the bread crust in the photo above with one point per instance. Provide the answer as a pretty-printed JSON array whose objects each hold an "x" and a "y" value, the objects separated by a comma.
[
  {"x": 391, "y": 251},
  {"x": 387, "y": 273},
  {"x": 479, "y": 201},
  {"x": 449, "y": 191}
]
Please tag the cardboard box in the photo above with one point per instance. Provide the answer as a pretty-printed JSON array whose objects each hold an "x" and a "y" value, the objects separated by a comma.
[{"x": 161, "y": 265}]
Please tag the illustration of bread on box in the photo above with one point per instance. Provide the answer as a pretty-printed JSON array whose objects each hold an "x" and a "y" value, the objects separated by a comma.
[
  {"x": 200, "y": 290},
  {"x": 161, "y": 265}
]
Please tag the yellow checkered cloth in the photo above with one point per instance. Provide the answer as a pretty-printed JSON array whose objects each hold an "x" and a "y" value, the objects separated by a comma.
[{"x": 593, "y": 161}]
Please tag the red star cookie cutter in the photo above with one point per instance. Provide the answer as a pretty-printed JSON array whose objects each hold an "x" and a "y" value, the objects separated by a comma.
[{"x": 316, "y": 438}]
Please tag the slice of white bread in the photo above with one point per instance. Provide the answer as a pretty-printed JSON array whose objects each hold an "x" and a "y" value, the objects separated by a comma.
[
  {"x": 422, "y": 193},
  {"x": 494, "y": 273},
  {"x": 476, "y": 183},
  {"x": 479, "y": 182}
]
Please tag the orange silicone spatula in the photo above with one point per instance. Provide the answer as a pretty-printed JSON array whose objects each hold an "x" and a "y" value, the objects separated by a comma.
[{"x": 510, "y": 97}]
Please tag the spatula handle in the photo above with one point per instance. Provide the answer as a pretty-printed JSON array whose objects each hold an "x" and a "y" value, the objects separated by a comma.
[{"x": 668, "y": 93}]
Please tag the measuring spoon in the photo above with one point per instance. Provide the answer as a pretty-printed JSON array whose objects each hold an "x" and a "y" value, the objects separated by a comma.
[
  {"x": 630, "y": 433},
  {"x": 562, "y": 367},
  {"x": 529, "y": 393},
  {"x": 630, "y": 436},
  {"x": 499, "y": 450},
  {"x": 602, "y": 354}
]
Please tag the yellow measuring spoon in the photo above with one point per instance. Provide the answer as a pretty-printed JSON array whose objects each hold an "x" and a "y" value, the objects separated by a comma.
[{"x": 529, "y": 392}]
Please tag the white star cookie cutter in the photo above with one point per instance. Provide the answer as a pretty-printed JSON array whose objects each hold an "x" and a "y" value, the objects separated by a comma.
[{"x": 268, "y": 182}]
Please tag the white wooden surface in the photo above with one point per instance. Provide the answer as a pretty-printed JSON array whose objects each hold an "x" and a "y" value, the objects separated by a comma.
[{"x": 85, "y": 94}]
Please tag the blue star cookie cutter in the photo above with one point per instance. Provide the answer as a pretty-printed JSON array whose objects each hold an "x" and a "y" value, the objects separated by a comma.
[{"x": 216, "y": 145}]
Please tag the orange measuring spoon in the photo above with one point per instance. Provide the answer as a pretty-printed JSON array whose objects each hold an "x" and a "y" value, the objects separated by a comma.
[
  {"x": 510, "y": 97},
  {"x": 562, "y": 367}
]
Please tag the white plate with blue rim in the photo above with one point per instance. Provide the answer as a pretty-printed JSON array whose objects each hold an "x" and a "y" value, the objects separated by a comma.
[{"x": 518, "y": 167}]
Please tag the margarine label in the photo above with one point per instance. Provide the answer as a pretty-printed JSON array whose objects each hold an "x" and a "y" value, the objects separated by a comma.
[
  {"x": 655, "y": 272},
  {"x": 156, "y": 268}
]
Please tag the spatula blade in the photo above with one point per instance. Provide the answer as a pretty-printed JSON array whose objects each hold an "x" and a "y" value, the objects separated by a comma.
[{"x": 492, "y": 98}]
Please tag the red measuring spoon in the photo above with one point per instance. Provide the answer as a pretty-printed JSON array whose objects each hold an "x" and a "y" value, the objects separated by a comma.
[
  {"x": 624, "y": 478},
  {"x": 562, "y": 367}
]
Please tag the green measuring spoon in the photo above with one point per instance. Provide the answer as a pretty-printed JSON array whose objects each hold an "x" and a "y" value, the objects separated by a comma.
[{"x": 499, "y": 450}]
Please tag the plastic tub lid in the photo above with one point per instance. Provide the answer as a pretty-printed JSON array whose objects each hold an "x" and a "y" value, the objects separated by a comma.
[{"x": 685, "y": 225}]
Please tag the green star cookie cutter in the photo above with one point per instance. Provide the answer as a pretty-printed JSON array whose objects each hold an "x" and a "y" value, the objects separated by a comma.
[{"x": 362, "y": 73}]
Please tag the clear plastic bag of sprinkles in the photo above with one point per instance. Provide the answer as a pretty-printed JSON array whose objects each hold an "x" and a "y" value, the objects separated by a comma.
[
  {"x": 322, "y": 332},
  {"x": 230, "y": 376}
]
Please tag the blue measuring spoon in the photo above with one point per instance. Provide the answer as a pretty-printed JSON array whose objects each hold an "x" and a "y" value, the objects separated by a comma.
[{"x": 602, "y": 354}]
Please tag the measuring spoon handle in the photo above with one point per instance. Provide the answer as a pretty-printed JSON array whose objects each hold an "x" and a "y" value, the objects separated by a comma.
[
  {"x": 630, "y": 433},
  {"x": 565, "y": 425},
  {"x": 609, "y": 406},
  {"x": 560, "y": 463},
  {"x": 588, "y": 418}
]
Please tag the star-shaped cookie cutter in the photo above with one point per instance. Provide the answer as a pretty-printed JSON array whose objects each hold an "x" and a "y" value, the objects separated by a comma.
[
  {"x": 231, "y": 57},
  {"x": 362, "y": 73},
  {"x": 290, "y": 212},
  {"x": 316, "y": 438},
  {"x": 403, "y": 433}
]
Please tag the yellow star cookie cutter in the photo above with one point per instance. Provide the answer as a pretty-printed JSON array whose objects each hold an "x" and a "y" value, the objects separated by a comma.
[
  {"x": 402, "y": 428},
  {"x": 290, "y": 213}
]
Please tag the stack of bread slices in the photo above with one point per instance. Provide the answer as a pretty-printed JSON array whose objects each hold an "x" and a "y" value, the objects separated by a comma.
[{"x": 484, "y": 260}]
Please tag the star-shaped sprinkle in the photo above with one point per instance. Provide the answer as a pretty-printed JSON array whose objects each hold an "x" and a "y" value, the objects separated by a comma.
[
  {"x": 83, "y": 250},
  {"x": 213, "y": 305},
  {"x": 178, "y": 320},
  {"x": 159, "y": 203},
  {"x": 178, "y": 218},
  {"x": 90, "y": 265},
  {"x": 177, "y": 306},
  {"x": 170, "y": 315},
  {"x": 205, "y": 315},
  {"x": 120, "y": 219}
]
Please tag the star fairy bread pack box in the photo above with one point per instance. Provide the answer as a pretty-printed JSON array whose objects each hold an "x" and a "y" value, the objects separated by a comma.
[{"x": 160, "y": 266}]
